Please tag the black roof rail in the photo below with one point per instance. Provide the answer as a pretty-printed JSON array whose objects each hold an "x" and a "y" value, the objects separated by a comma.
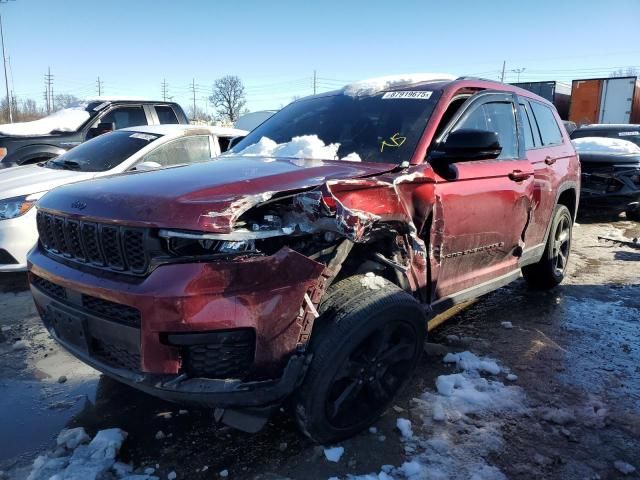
[{"x": 479, "y": 78}]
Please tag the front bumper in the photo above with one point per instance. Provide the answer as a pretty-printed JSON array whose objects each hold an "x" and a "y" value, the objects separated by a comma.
[
  {"x": 17, "y": 236},
  {"x": 264, "y": 294}
]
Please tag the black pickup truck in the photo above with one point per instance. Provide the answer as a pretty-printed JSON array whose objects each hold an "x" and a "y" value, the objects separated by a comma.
[{"x": 48, "y": 137}]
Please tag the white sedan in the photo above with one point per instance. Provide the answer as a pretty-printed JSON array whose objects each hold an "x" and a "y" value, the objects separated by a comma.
[{"x": 134, "y": 148}]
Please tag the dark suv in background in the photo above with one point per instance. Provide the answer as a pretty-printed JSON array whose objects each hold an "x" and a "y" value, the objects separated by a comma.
[
  {"x": 32, "y": 142},
  {"x": 610, "y": 159}
]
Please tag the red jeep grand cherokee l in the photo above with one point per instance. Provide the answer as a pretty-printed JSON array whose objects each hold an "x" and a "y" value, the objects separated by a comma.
[{"x": 305, "y": 266}]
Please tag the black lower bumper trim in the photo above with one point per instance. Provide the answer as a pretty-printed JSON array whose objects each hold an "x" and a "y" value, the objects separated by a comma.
[{"x": 205, "y": 392}]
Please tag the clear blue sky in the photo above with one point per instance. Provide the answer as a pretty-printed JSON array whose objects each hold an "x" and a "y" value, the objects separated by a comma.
[{"x": 274, "y": 46}]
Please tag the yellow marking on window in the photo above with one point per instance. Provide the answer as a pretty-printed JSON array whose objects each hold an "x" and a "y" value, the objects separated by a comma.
[{"x": 396, "y": 141}]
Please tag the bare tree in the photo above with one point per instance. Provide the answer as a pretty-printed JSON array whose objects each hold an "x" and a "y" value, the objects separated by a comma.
[
  {"x": 228, "y": 97},
  {"x": 627, "y": 72},
  {"x": 64, "y": 100}
]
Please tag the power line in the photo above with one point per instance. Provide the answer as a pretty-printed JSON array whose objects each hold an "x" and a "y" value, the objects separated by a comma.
[
  {"x": 100, "y": 85},
  {"x": 4, "y": 62},
  {"x": 48, "y": 82},
  {"x": 164, "y": 89}
]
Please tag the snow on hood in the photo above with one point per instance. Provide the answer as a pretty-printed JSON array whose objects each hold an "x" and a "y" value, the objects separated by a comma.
[
  {"x": 372, "y": 86},
  {"x": 604, "y": 145},
  {"x": 65, "y": 120},
  {"x": 305, "y": 146}
]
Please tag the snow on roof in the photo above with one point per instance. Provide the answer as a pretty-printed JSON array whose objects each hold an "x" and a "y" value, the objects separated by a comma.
[
  {"x": 177, "y": 129},
  {"x": 65, "y": 120},
  {"x": 372, "y": 86},
  {"x": 604, "y": 145}
]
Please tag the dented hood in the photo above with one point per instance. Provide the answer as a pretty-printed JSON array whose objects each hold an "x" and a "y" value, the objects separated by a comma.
[{"x": 207, "y": 196}]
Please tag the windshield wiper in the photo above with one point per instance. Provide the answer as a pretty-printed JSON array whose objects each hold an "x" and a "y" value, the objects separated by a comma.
[{"x": 65, "y": 164}]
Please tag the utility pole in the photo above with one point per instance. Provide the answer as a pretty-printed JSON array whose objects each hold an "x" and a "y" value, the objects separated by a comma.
[
  {"x": 504, "y": 64},
  {"x": 315, "y": 82},
  {"x": 193, "y": 90},
  {"x": 6, "y": 80},
  {"x": 164, "y": 89},
  {"x": 100, "y": 85},
  {"x": 518, "y": 71},
  {"x": 48, "y": 83}
]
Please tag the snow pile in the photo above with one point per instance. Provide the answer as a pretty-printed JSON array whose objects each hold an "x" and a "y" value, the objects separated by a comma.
[
  {"x": 372, "y": 281},
  {"x": 404, "y": 426},
  {"x": 305, "y": 146},
  {"x": 461, "y": 427},
  {"x": 372, "y": 86},
  {"x": 469, "y": 362},
  {"x": 624, "y": 467},
  {"x": 333, "y": 454},
  {"x": 77, "y": 457},
  {"x": 604, "y": 145},
  {"x": 65, "y": 120}
]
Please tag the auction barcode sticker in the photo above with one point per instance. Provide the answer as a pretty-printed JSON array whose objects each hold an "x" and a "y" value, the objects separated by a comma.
[
  {"x": 627, "y": 134},
  {"x": 410, "y": 94}
]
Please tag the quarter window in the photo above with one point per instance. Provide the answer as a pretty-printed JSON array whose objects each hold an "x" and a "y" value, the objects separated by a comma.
[
  {"x": 186, "y": 150},
  {"x": 166, "y": 115},
  {"x": 495, "y": 117},
  {"x": 549, "y": 129}
]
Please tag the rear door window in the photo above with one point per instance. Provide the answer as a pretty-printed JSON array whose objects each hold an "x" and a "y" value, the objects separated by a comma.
[
  {"x": 495, "y": 117},
  {"x": 528, "y": 128},
  {"x": 166, "y": 114},
  {"x": 546, "y": 120},
  {"x": 125, "y": 117},
  {"x": 194, "y": 149}
]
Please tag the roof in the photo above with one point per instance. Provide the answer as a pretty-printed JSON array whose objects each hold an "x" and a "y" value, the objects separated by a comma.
[
  {"x": 424, "y": 81},
  {"x": 180, "y": 129},
  {"x": 609, "y": 126}
]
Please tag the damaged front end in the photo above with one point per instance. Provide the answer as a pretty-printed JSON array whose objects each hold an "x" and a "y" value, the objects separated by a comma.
[{"x": 610, "y": 181}]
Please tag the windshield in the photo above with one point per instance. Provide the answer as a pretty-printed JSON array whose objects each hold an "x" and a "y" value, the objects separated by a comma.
[
  {"x": 104, "y": 152},
  {"x": 385, "y": 127},
  {"x": 628, "y": 135}
]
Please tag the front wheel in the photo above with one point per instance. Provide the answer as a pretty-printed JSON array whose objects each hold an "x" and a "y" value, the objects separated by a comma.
[
  {"x": 365, "y": 345},
  {"x": 552, "y": 267}
]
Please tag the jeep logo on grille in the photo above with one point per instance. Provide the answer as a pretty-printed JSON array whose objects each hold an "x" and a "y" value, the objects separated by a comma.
[{"x": 79, "y": 205}]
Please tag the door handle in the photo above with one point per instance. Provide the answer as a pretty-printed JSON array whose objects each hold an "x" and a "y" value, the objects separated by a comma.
[
  {"x": 519, "y": 175},
  {"x": 549, "y": 160}
]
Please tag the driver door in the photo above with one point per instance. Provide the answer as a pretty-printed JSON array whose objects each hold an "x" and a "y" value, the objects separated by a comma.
[{"x": 483, "y": 206}]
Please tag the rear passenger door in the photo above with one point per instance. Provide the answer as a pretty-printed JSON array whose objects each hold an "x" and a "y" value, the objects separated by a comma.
[
  {"x": 484, "y": 205},
  {"x": 183, "y": 151},
  {"x": 549, "y": 155},
  {"x": 123, "y": 117}
]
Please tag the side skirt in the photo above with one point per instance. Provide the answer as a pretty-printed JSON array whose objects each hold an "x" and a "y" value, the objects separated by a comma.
[{"x": 445, "y": 303}]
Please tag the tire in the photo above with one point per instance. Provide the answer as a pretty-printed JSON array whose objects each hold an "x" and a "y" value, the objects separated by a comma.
[
  {"x": 366, "y": 344},
  {"x": 551, "y": 268},
  {"x": 633, "y": 214}
]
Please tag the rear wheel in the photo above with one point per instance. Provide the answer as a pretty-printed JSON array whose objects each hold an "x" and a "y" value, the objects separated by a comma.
[
  {"x": 365, "y": 347},
  {"x": 633, "y": 214},
  {"x": 551, "y": 268}
]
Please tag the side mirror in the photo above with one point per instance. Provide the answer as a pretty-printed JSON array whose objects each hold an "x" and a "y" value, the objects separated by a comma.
[
  {"x": 466, "y": 145},
  {"x": 146, "y": 166},
  {"x": 102, "y": 127}
]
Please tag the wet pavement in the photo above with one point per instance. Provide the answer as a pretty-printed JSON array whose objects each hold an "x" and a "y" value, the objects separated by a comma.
[{"x": 575, "y": 350}]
